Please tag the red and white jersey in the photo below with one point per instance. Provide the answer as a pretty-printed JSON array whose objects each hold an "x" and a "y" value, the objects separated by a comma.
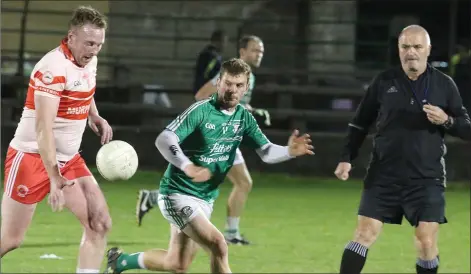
[{"x": 57, "y": 75}]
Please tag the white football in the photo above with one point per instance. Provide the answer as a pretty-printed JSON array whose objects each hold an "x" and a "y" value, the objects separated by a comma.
[{"x": 117, "y": 160}]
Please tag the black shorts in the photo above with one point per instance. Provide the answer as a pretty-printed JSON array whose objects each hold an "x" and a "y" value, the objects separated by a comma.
[{"x": 417, "y": 200}]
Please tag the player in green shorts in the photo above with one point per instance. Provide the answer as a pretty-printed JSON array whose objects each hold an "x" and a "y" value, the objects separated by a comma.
[
  {"x": 200, "y": 145},
  {"x": 251, "y": 51}
]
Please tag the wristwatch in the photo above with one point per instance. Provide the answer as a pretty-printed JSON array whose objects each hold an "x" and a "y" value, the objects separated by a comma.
[{"x": 448, "y": 123}]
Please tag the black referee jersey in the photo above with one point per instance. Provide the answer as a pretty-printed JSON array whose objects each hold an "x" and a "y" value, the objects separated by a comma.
[{"x": 407, "y": 145}]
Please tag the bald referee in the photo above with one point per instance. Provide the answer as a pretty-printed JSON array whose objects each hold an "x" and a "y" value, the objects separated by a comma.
[{"x": 412, "y": 106}]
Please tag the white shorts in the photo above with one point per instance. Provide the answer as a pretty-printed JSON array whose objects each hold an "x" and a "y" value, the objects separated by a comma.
[
  {"x": 180, "y": 209},
  {"x": 239, "y": 159}
]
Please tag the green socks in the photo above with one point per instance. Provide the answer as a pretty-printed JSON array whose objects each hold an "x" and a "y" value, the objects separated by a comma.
[{"x": 130, "y": 261}]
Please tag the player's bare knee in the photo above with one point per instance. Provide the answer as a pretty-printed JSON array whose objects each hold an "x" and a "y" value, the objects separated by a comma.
[
  {"x": 366, "y": 234},
  {"x": 102, "y": 225},
  {"x": 218, "y": 245},
  {"x": 244, "y": 185},
  {"x": 424, "y": 241},
  {"x": 96, "y": 230}
]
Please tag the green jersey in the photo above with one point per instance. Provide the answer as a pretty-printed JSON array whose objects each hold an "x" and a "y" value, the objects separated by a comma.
[
  {"x": 209, "y": 137},
  {"x": 248, "y": 95}
]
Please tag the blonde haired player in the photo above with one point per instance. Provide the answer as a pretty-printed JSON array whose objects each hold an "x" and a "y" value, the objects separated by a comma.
[{"x": 43, "y": 156}]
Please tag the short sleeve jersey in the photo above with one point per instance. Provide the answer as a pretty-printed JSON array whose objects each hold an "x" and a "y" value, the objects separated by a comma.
[
  {"x": 58, "y": 76},
  {"x": 210, "y": 137}
]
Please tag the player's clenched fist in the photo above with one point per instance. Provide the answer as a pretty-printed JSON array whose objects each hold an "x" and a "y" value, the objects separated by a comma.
[
  {"x": 342, "y": 170},
  {"x": 197, "y": 174},
  {"x": 300, "y": 145}
]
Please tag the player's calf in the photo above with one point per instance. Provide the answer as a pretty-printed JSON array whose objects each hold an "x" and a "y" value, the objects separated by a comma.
[
  {"x": 242, "y": 181},
  {"x": 356, "y": 251},
  {"x": 177, "y": 259},
  {"x": 426, "y": 244},
  {"x": 86, "y": 201}
]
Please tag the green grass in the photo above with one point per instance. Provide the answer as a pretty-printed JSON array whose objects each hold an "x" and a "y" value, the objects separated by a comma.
[{"x": 296, "y": 224}]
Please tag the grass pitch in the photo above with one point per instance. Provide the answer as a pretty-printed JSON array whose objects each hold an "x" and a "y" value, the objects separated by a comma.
[{"x": 296, "y": 225}]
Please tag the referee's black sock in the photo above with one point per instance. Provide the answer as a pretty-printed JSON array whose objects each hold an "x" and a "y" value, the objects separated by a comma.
[
  {"x": 427, "y": 267},
  {"x": 353, "y": 259}
]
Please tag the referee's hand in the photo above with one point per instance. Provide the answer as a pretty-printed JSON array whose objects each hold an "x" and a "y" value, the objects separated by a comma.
[{"x": 342, "y": 170}]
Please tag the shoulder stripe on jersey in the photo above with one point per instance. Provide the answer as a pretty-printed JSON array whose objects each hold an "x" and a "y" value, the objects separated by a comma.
[
  {"x": 78, "y": 95},
  {"x": 55, "y": 79},
  {"x": 181, "y": 118},
  {"x": 47, "y": 90}
]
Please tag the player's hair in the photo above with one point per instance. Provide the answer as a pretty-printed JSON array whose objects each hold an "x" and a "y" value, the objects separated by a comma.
[
  {"x": 244, "y": 41},
  {"x": 217, "y": 36},
  {"x": 87, "y": 15},
  {"x": 236, "y": 66}
]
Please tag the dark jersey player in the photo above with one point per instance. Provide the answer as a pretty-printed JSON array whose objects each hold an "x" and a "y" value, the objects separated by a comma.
[{"x": 414, "y": 106}]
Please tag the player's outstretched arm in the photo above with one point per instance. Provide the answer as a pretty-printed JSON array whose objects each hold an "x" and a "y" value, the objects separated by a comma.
[
  {"x": 271, "y": 153},
  {"x": 297, "y": 146},
  {"x": 167, "y": 144},
  {"x": 207, "y": 90}
]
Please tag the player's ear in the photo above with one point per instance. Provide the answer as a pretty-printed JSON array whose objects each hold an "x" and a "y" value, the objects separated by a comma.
[
  {"x": 70, "y": 34},
  {"x": 241, "y": 52}
]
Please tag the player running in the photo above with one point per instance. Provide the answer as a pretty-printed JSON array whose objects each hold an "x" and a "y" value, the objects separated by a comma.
[
  {"x": 43, "y": 156},
  {"x": 251, "y": 51},
  {"x": 200, "y": 145}
]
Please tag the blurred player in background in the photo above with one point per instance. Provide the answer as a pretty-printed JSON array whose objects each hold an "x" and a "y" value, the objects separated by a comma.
[
  {"x": 250, "y": 51},
  {"x": 43, "y": 156},
  {"x": 200, "y": 145},
  {"x": 209, "y": 60}
]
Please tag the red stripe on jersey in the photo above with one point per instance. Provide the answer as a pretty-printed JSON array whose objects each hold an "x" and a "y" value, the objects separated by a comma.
[
  {"x": 74, "y": 109},
  {"x": 78, "y": 94},
  {"x": 48, "y": 90},
  {"x": 29, "y": 102}
]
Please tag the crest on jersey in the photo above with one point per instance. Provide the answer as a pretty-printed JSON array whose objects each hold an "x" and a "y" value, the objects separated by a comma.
[
  {"x": 225, "y": 127},
  {"x": 47, "y": 77}
]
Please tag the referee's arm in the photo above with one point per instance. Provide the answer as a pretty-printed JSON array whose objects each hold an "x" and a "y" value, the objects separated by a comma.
[
  {"x": 358, "y": 128},
  {"x": 461, "y": 124}
]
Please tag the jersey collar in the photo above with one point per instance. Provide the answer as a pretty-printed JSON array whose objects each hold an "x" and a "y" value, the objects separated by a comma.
[{"x": 68, "y": 54}]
